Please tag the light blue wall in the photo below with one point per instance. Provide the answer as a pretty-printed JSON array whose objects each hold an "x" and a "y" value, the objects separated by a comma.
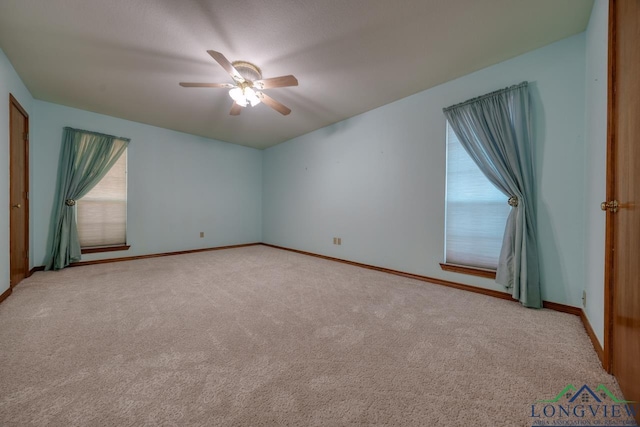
[
  {"x": 377, "y": 180},
  {"x": 178, "y": 184},
  {"x": 595, "y": 171},
  {"x": 10, "y": 83}
]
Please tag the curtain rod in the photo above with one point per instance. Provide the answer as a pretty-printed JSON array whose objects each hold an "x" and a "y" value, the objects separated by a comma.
[
  {"x": 98, "y": 133},
  {"x": 490, "y": 94}
]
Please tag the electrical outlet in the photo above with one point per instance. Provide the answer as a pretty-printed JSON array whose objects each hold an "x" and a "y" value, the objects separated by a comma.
[
  {"x": 339, "y": 240},
  {"x": 584, "y": 298},
  {"x": 201, "y": 234}
]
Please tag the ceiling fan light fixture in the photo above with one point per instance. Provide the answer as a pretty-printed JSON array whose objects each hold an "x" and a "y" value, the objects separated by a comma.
[
  {"x": 243, "y": 95},
  {"x": 238, "y": 96},
  {"x": 252, "y": 96}
]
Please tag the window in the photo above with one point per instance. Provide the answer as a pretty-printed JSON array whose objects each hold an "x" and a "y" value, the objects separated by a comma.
[
  {"x": 102, "y": 213},
  {"x": 476, "y": 211}
]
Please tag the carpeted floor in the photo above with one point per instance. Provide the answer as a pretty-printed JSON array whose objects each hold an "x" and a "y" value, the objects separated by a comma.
[{"x": 259, "y": 336}]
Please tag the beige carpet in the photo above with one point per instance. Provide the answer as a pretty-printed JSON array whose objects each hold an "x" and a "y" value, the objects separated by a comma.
[{"x": 259, "y": 336}]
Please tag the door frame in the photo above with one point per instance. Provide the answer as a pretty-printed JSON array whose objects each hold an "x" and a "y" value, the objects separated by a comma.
[
  {"x": 13, "y": 102},
  {"x": 610, "y": 190}
]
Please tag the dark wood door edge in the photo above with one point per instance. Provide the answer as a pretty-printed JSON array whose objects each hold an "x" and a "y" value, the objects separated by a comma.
[{"x": 610, "y": 190}]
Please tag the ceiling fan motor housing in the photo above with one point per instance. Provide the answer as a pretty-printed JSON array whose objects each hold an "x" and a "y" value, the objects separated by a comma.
[{"x": 248, "y": 70}]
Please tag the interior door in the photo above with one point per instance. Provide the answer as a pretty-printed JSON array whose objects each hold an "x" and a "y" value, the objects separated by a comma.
[
  {"x": 623, "y": 187},
  {"x": 18, "y": 191}
]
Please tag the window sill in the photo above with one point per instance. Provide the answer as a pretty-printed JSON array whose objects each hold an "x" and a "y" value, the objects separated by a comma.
[
  {"x": 474, "y": 271},
  {"x": 97, "y": 249}
]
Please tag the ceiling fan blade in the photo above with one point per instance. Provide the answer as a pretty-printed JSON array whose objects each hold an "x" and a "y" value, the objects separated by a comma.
[
  {"x": 224, "y": 62},
  {"x": 223, "y": 85},
  {"x": 235, "y": 109},
  {"x": 282, "y": 81},
  {"x": 280, "y": 108}
]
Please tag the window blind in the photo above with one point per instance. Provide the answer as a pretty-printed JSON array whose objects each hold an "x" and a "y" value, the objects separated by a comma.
[
  {"x": 476, "y": 211},
  {"x": 102, "y": 213}
]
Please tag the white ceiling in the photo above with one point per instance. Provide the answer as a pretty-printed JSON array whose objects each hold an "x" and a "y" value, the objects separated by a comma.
[{"x": 124, "y": 58}]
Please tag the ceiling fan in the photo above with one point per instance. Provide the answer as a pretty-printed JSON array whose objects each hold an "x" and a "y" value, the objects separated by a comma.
[{"x": 247, "y": 85}]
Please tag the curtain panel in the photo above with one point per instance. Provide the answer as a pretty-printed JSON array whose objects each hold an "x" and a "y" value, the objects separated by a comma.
[
  {"x": 85, "y": 158},
  {"x": 495, "y": 129}
]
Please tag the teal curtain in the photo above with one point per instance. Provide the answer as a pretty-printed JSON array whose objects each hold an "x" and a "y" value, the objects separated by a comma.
[
  {"x": 495, "y": 129},
  {"x": 85, "y": 158}
]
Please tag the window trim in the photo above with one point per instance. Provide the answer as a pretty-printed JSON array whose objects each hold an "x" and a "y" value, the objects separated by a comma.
[
  {"x": 465, "y": 269},
  {"x": 98, "y": 249}
]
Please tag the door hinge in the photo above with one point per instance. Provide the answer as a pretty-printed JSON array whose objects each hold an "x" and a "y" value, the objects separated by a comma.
[
  {"x": 26, "y": 195},
  {"x": 27, "y": 252},
  {"x": 26, "y": 136}
]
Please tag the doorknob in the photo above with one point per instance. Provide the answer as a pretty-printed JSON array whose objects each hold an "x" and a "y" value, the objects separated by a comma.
[
  {"x": 611, "y": 206},
  {"x": 17, "y": 206}
]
